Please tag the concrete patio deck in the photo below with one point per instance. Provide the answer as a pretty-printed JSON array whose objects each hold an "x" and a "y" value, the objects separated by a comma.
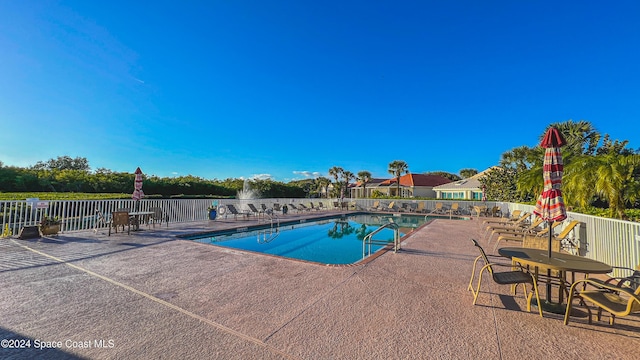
[{"x": 151, "y": 296}]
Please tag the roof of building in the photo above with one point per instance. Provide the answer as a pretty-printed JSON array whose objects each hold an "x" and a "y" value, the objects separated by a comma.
[
  {"x": 471, "y": 183},
  {"x": 417, "y": 180}
]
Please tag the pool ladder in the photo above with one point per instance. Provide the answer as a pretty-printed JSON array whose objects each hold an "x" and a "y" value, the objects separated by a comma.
[
  {"x": 270, "y": 234},
  {"x": 369, "y": 240}
]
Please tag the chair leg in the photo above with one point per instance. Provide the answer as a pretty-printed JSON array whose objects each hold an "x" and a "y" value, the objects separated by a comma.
[
  {"x": 477, "y": 292},
  {"x": 473, "y": 273},
  {"x": 537, "y": 293}
]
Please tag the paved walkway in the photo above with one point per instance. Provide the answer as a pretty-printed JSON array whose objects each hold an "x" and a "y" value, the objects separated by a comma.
[{"x": 152, "y": 296}]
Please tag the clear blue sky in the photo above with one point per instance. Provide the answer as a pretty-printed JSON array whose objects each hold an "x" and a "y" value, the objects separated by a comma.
[{"x": 237, "y": 88}]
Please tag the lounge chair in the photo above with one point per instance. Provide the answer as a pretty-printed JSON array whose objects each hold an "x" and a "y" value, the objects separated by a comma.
[
  {"x": 439, "y": 209},
  {"x": 496, "y": 211},
  {"x": 541, "y": 234},
  {"x": 255, "y": 210},
  {"x": 520, "y": 223},
  {"x": 120, "y": 218},
  {"x": 312, "y": 207},
  {"x": 531, "y": 229},
  {"x": 480, "y": 210},
  {"x": 232, "y": 209},
  {"x": 619, "y": 299},
  {"x": 297, "y": 209},
  {"x": 455, "y": 209},
  {"x": 392, "y": 206},
  {"x": 515, "y": 215},
  {"x": 375, "y": 206},
  {"x": 321, "y": 206},
  {"x": 420, "y": 207},
  {"x": 303, "y": 207},
  {"x": 513, "y": 277}
]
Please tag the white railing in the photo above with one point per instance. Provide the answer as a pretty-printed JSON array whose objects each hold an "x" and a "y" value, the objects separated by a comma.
[{"x": 614, "y": 242}]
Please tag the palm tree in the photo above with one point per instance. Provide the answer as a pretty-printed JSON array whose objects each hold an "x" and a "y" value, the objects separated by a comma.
[
  {"x": 336, "y": 172},
  {"x": 581, "y": 137},
  {"x": 612, "y": 176},
  {"x": 397, "y": 168},
  {"x": 347, "y": 176},
  {"x": 323, "y": 183},
  {"x": 364, "y": 177},
  {"x": 467, "y": 173}
]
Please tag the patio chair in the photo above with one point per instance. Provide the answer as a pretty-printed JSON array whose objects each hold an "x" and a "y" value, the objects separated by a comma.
[
  {"x": 513, "y": 277},
  {"x": 321, "y": 206},
  {"x": 233, "y": 211},
  {"x": 158, "y": 216},
  {"x": 120, "y": 218},
  {"x": 100, "y": 221},
  {"x": 632, "y": 281},
  {"x": 617, "y": 299}
]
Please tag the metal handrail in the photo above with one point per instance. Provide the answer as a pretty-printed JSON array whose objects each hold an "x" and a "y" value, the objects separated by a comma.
[
  {"x": 368, "y": 240},
  {"x": 272, "y": 234}
]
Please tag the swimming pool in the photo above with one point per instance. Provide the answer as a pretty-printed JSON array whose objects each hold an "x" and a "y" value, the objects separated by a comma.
[{"x": 335, "y": 241}]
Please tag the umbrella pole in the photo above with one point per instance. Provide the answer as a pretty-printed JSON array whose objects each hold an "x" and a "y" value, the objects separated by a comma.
[{"x": 549, "y": 224}]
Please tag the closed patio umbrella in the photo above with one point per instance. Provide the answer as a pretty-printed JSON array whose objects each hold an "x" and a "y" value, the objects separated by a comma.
[
  {"x": 550, "y": 205},
  {"x": 137, "y": 193}
]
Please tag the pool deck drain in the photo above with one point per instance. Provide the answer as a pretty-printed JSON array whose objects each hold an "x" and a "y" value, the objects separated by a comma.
[{"x": 150, "y": 295}]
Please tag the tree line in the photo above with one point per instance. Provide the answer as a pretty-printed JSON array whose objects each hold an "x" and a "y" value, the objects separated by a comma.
[
  {"x": 66, "y": 174},
  {"x": 601, "y": 175}
]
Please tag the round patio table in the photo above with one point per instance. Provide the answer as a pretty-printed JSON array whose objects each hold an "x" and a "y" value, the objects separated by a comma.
[{"x": 560, "y": 262}]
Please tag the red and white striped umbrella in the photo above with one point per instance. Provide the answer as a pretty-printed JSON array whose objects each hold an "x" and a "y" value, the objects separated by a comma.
[
  {"x": 550, "y": 205},
  {"x": 137, "y": 193}
]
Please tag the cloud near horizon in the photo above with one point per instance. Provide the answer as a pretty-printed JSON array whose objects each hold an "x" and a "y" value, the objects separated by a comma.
[
  {"x": 308, "y": 174},
  {"x": 261, "y": 176}
]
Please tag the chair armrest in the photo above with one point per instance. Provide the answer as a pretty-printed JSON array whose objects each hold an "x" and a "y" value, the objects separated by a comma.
[{"x": 603, "y": 285}]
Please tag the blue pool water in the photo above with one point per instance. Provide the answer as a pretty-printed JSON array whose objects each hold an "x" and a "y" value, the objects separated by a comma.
[{"x": 328, "y": 241}]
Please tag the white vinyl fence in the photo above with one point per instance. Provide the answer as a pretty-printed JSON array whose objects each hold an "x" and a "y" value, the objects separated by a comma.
[{"x": 614, "y": 242}]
